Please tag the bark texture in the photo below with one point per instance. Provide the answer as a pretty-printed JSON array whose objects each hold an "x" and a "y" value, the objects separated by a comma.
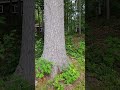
[
  {"x": 54, "y": 39},
  {"x": 26, "y": 63}
]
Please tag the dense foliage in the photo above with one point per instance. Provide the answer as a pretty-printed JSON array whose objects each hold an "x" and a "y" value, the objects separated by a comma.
[
  {"x": 14, "y": 83},
  {"x": 67, "y": 77},
  {"x": 42, "y": 67},
  {"x": 9, "y": 55},
  {"x": 104, "y": 60}
]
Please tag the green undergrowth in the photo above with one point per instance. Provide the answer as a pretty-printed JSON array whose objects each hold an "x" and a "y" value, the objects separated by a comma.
[
  {"x": 76, "y": 52},
  {"x": 9, "y": 52},
  {"x": 69, "y": 76},
  {"x": 42, "y": 67},
  {"x": 14, "y": 82},
  {"x": 104, "y": 61}
]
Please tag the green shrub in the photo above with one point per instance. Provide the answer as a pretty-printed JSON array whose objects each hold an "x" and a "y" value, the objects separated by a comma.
[
  {"x": 2, "y": 20},
  {"x": 67, "y": 77},
  {"x": 70, "y": 75},
  {"x": 57, "y": 83},
  {"x": 14, "y": 82},
  {"x": 102, "y": 61},
  {"x": 38, "y": 48},
  {"x": 9, "y": 53},
  {"x": 42, "y": 67}
]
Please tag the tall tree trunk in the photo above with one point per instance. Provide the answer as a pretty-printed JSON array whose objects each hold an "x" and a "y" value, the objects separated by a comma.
[
  {"x": 79, "y": 17},
  {"x": 99, "y": 8},
  {"x": 108, "y": 9},
  {"x": 10, "y": 16},
  {"x": 65, "y": 15},
  {"x": 54, "y": 39},
  {"x": 19, "y": 16},
  {"x": 42, "y": 24},
  {"x": 71, "y": 30},
  {"x": 26, "y": 65},
  {"x": 38, "y": 30},
  {"x": 67, "y": 19}
]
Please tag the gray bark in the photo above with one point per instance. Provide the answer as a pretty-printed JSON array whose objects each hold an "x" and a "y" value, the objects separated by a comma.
[
  {"x": 26, "y": 65},
  {"x": 54, "y": 39}
]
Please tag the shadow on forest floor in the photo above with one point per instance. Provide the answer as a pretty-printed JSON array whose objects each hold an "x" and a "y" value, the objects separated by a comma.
[{"x": 102, "y": 56}]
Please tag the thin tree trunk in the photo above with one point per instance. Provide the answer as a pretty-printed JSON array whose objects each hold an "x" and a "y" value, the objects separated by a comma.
[
  {"x": 42, "y": 24},
  {"x": 10, "y": 12},
  {"x": 79, "y": 19},
  {"x": 65, "y": 14},
  {"x": 20, "y": 15},
  {"x": 26, "y": 65},
  {"x": 38, "y": 30},
  {"x": 99, "y": 8},
  {"x": 54, "y": 39},
  {"x": 71, "y": 30},
  {"x": 108, "y": 9},
  {"x": 67, "y": 19}
]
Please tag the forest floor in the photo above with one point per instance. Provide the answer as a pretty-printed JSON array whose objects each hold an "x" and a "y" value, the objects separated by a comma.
[
  {"x": 79, "y": 84},
  {"x": 99, "y": 32}
]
